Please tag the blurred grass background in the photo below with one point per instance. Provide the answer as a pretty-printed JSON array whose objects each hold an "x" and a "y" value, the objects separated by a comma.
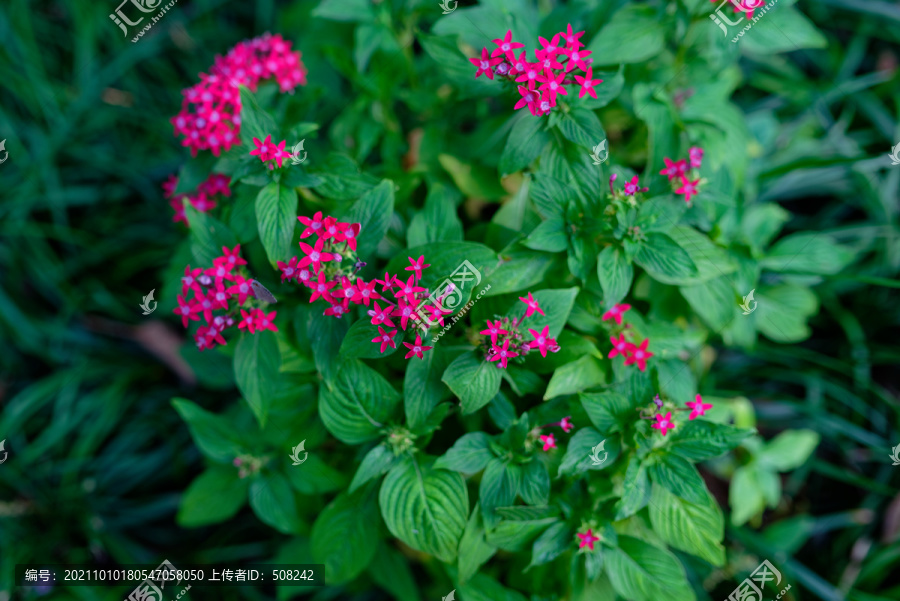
[{"x": 98, "y": 458}]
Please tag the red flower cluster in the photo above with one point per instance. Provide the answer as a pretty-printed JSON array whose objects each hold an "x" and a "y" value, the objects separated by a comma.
[
  {"x": 631, "y": 352},
  {"x": 210, "y": 117},
  {"x": 214, "y": 289},
  {"x": 631, "y": 188},
  {"x": 745, "y": 6},
  {"x": 203, "y": 199},
  {"x": 664, "y": 423},
  {"x": 553, "y": 63},
  {"x": 506, "y": 330},
  {"x": 678, "y": 173},
  {"x": 267, "y": 151}
]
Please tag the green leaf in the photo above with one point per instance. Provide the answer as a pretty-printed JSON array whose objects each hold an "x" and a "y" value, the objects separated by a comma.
[
  {"x": 499, "y": 486},
  {"x": 549, "y": 236},
  {"x": 255, "y": 122},
  {"x": 426, "y": 508},
  {"x": 391, "y": 571},
  {"x": 345, "y": 10},
  {"x": 208, "y": 236},
  {"x": 608, "y": 411},
  {"x": 636, "y": 489},
  {"x": 438, "y": 221},
  {"x": 515, "y": 535},
  {"x": 373, "y": 212},
  {"x": 379, "y": 460},
  {"x": 423, "y": 388},
  {"x": 214, "y": 496},
  {"x": 641, "y": 572},
  {"x": 344, "y": 533},
  {"x": 484, "y": 588},
  {"x": 714, "y": 301},
  {"x": 745, "y": 494},
  {"x": 789, "y": 450},
  {"x": 805, "y": 252},
  {"x": 273, "y": 502},
  {"x": 664, "y": 260},
  {"x": 582, "y": 127},
  {"x": 551, "y": 544},
  {"x": 556, "y": 305},
  {"x": 315, "y": 477},
  {"x": 695, "y": 528},
  {"x": 526, "y": 141},
  {"x": 575, "y": 377},
  {"x": 474, "y": 551},
  {"x": 473, "y": 380},
  {"x": 615, "y": 273},
  {"x": 469, "y": 454},
  {"x": 276, "y": 214},
  {"x": 216, "y": 438},
  {"x": 325, "y": 335},
  {"x": 608, "y": 91},
  {"x": 782, "y": 312},
  {"x": 680, "y": 477},
  {"x": 458, "y": 69},
  {"x": 193, "y": 173},
  {"x": 578, "y": 452},
  {"x": 256, "y": 364},
  {"x": 242, "y": 220},
  {"x": 473, "y": 180},
  {"x": 634, "y": 34},
  {"x": 784, "y": 29},
  {"x": 357, "y": 404},
  {"x": 712, "y": 260},
  {"x": 535, "y": 487},
  {"x": 358, "y": 343},
  {"x": 698, "y": 440}
]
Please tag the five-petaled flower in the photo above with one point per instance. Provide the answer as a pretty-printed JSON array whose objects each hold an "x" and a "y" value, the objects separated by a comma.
[
  {"x": 566, "y": 424},
  {"x": 542, "y": 340},
  {"x": 502, "y": 353},
  {"x": 688, "y": 188},
  {"x": 493, "y": 330},
  {"x": 386, "y": 339},
  {"x": 587, "y": 539},
  {"x": 532, "y": 305},
  {"x": 698, "y": 407},
  {"x": 664, "y": 424},
  {"x": 549, "y": 441},
  {"x": 416, "y": 349},
  {"x": 639, "y": 355},
  {"x": 485, "y": 64},
  {"x": 587, "y": 84},
  {"x": 616, "y": 313}
]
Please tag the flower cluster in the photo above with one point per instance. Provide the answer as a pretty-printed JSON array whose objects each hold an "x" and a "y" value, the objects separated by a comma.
[
  {"x": 744, "y": 6},
  {"x": 683, "y": 180},
  {"x": 210, "y": 116},
  {"x": 214, "y": 288},
  {"x": 544, "y": 79},
  {"x": 506, "y": 342},
  {"x": 632, "y": 353},
  {"x": 631, "y": 188},
  {"x": 664, "y": 423},
  {"x": 549, "y": 440},
  {"x": 268, "y": 151},
  {"x": 203, "y": 199}
]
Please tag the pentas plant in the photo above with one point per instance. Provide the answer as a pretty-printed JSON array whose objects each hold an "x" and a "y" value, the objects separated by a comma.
[
  {"x": 224, "y": 295},
  {"x": 684, "y": 174},
  {"x": 506, "y": 341},
  {"x": 203, "y": 198},
  {"x": 544, "y": 80}
]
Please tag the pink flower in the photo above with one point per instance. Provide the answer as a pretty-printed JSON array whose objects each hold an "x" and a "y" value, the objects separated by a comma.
[
  {"x": 288, "y": 270},
  {"x": 313, "y": 226},
  {"x": 314, "y": 255},
  {"x": 321, "y": 288},
  {"x": 698, "y": 407},
  {"x": 551, "y": 47},
  {"x": 417, "y": 266},
  {"x": 639, "y": 355},
  {"x": 572, "y": 38},
  {"x": 616, "y": 313},
  {"x": 493, "y": 330},
  {"x": 553, "y": 86},
  {"x": 696, "y": 155},
  {"x": 405, "y": 311},
  {"x": 633, "y": 187},
  {"x": 532, "y": 305},
  {"x": 380, "y": 315},
  {"x": 416, "y": 349},
  {"x": 338, "y": 309},
  {"x": 485, "y": 64},
  {"x": 541, "y": 340},
  {"x": 576, "y": 59},
  {"x": 620, "y": 347},
  {"x": 187, "y": 310},
  {"x": 241, "y": 287},
  {"x": 506, "y": 46},
  {"x": 346, "y": 288},
  {"x": 247, "y": 321},
  {"x": 548, "y": 62},
  {"x": 674, "y": 168},
  {"x": 519, "y": 65},
  {"x": 262, "y": 321},
  {"x": 587, "y": 539},
  {"x": 409, "y": 289},
  {"x": 189, "y": 281},
  {"x": 206, "y": 304},
  {"x": 365, "y": 292},
  {"x": 566, "y": 424},
  {"x": 688, "y": 188},
  {"x": 530, "y": 74},
  {"x": 548, "y": 440},
  {"x": 230, "y": 258},
  {"x": 663, "y": 424},
  {"x": 350, "y": 231},
  {"x": 330, "y": 229},
  {"x": 529, "y": 98},
  {"x": 385, "y": 338},
  {"x": 587, "y": 84},
  {"x": 387, "y": 283},
  {"x": 265, "y": 150},
  {"x": 502, "y": 353}
]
